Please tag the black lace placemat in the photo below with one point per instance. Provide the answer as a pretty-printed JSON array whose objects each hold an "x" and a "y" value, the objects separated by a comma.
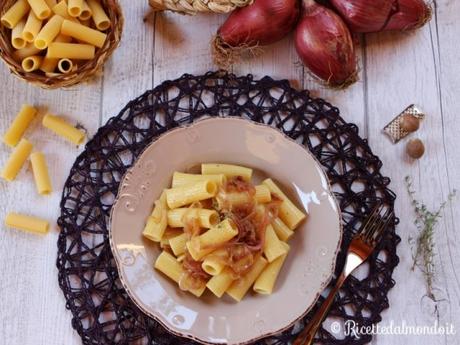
[{"x": 102, "y": 312}]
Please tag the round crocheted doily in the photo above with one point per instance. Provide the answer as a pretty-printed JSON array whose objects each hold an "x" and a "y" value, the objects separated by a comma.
[{"x": 102, "y": 312}]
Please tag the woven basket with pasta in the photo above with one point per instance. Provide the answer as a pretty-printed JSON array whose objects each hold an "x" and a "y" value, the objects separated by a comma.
[
  {"x": 194, "y": 6},
  {"x": 84, "y": 71}
]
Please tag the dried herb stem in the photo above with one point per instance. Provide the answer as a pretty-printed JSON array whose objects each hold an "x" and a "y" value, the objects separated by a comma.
[{"x": 425, "y": 221}]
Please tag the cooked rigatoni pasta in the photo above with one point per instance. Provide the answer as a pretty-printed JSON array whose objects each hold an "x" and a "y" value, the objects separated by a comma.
[
  {"x": 32, "y": 27},
  {"x": 27, "y": 223},
  {"x": 100, "y": 18},
  {"x": 40, "y": 8},
  {"x": 168, "y": 234},
  {"x": 41, "y": 175},
  {"x": 228, "y": 170},
  {"x": 289, "y": 213},
  {"x": 63, "y": 128},
  {"x": 75, "y": 7},
  {"x": 178, "y": 244},
  {"x": 19, "y": 125},
  {"x": 240, "y": 287},
  {"x": 273, "y": 247},
  {"x": 184, "y": 195},
  {"x": 17, "y": 41},
  {"x": 49, "y": 32},
  {"x": 17, "y": 160},
  {"x": 16, "y": 12},
  {"x": 32, "y": 63},
  {"x": 266, "y": 280},
  {"x": 83, "y": 33},
  {"x": 168, "y": 264},
  {"x": 181, "y": 179},
  {"x": 222, "y": 232},
  {"x": 281, "y": 230},
  {"x": 218, "y": 284},
  {"x": 214, "y": 263},
  {"x": 71, "y": 51},
  {"x": 178, "y": 217},
  {"x": 216, "y": 236},
  {"x": 158, "y": 220}
]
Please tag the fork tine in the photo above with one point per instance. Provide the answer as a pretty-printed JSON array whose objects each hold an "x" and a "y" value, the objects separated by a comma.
[
  {"x": 371, "y": 218},
  {"x": 375, "y": 230}
]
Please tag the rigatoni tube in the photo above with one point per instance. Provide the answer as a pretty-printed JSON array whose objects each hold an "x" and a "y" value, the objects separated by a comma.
[
  {"x": 65, "y": 66},
  {"x": 239, "y": 287},
  {"x": 86, "y": 12},
  {"x": 17, "y": 41},
  {"x": 41, "y": 175},
  {"x": 63, "y": 128},
  {"x": 32, "y": 27},
  {"x": 32, "y": 63},
  {"x": 75, "y": 7},
  {"x": 40, "y": 8},
  {"x": 19, "y": 125},
  {"x": 28, "y": 50},
  {"x": 83, "y": 33},
  {"x": 229, "y": 170},
  {"x": 27, "y": 223},
  {"x": 168, "y": 265},
  {"x": 59, "y": 50},
  {"x": 266, "y": 280},
  {"x": 204, "y": 244},
  {"x": 100, "y": 18},
  {"x": 218, "y": 284},
  {"x": 49, "y": 32},
  {"x": 15, "y": 13},
  {"x": 288, "y": 212},
  {"x": 179, "y": 217},
  {"x": 181, "y": 179},
  {"x": 184, "y": 195},
  {"x": 17, "y": 160},
  {"x": 273, "y": 247}
]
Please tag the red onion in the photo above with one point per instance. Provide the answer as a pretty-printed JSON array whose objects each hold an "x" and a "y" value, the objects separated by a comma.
[
  {"x": 364, "y": 15},
  {"x": 325, "y": 45},
  {"x": 409, "y": 14},
  {"x": 264, "y": 22},
  {"x": 382, "y": 15}
]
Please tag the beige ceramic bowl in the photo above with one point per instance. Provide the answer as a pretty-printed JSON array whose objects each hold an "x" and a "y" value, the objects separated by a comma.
[{"x": 314, "y": 246}]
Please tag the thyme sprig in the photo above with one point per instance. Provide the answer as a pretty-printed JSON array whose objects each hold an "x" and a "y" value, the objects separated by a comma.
[{"x": 425, "y": 221}]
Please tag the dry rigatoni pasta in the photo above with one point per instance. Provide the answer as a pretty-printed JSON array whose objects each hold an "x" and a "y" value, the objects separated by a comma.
[
  {"x": 19, "y": 125},
  {"x": 63, "y": 128},
  {"x": 41, "y": 175},
  {"x": 32, "y": 27},
  {"x": 100, "y": 18},
  {"x": 40, "y": 8},
  {"x": 32, "y": 63},
  {"x": 17, "y": 41},
  {"x": 49, "y": 32},
  {"x": 71, "y": 51},
  {"x": 14, "y": 15},
  {"x": 83, "y": 33},
  {"x": 27, "y": 223},
  {"x": 17, "y": 159}
]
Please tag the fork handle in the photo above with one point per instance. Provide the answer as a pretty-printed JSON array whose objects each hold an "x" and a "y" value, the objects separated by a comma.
[{"x": 308, "y": 333}]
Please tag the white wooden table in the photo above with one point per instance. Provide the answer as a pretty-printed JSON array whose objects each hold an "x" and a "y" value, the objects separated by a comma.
[{"x": 396, "y": 70}]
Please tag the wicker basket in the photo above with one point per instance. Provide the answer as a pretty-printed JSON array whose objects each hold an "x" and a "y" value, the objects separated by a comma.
[
  {"x": 194, "y": 6},
  {"x": 84, "y": 71}
]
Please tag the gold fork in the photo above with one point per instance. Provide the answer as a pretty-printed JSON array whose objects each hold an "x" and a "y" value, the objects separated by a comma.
[{"x": 360, "y": 248}]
